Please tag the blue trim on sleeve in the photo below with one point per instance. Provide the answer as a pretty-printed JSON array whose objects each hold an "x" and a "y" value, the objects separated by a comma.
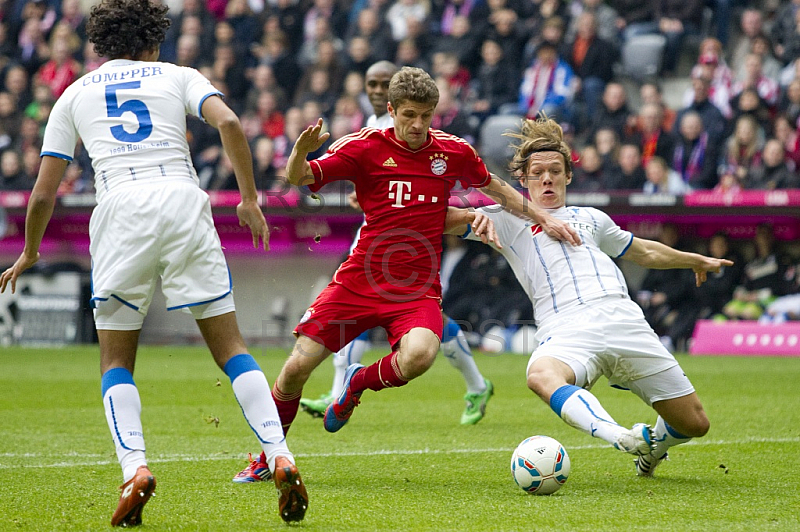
[
  {"x": 56, "y": 155},
  {"x": 468, "y": 231},
  {"x": 364, "y": 336},
  {"x": 560, "y": 397},
  {"x": 626, "y": 247},
  {"x": 203, "y": 99},
  {"x": 239, "y": 364},
  {"x": 450, "y": 331},
  {"x": 115, "y": 376}
]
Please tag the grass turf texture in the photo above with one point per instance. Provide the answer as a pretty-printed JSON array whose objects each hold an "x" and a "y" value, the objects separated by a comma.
[{"x": 402, "y": 463}]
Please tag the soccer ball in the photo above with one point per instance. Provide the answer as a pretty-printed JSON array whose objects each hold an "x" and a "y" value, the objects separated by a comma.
[{"x": 540, "y": 465}]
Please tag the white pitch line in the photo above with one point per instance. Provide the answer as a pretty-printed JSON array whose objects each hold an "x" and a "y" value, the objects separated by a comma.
[{"x": 167, "y": 458}]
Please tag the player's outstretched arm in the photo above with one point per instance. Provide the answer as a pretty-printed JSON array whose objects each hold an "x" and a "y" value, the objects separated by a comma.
[
  {"x": 457, "y": 221},
  {"x": 298, "y": 171},
  {"x": 40, "y": 210},
  {"x": 655, "y": 255},
  {"x": 234, "y": 142},
  {"x": 518, "y": 205}
]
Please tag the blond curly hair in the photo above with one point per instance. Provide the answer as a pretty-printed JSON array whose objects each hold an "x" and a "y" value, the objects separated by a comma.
[{"x": 542, "y": 134}]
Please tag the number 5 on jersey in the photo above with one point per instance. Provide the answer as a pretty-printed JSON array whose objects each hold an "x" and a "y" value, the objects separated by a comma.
[{"x": 136, "y": 107}]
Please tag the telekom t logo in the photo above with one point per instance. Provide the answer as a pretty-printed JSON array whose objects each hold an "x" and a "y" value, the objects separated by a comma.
[{"x": 400, "y": 194}]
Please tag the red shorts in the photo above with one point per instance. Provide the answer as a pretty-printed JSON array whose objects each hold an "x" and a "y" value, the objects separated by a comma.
[{"x": 339, "y": 315}]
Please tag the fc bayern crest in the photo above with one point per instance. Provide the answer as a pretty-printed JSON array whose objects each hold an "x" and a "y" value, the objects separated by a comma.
[{"x": 438, "y": 163}]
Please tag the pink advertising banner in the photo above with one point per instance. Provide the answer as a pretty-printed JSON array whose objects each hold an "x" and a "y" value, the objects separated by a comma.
[{"x": 746, "y": 338}]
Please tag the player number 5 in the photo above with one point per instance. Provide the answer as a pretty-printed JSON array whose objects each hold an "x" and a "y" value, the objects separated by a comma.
[{"x": 136, "y": 107}]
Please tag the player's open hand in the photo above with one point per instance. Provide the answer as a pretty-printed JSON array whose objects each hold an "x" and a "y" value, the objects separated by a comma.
[
  {"x": 483, "y": 226},
  {"x": 708, "y": 264},
  {"x": 558, "y": 229},
  {"x": 311, "y": 139},
  {"x": 24, "y": 262},
  {"x": 250, "y": 215}
]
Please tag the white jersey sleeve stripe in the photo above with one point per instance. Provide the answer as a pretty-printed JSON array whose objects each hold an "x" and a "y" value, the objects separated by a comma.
[
  {"x": 547, "y": 275},
  {"x": 572, "y": 272},
  {"x": 57, "y": 155}
]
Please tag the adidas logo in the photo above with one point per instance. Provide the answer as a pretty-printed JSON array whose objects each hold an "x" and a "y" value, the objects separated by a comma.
[{"x": 390, "y": 162}]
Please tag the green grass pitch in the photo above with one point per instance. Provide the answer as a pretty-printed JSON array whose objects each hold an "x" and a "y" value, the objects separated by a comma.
[{"x": 402, "y": 463}]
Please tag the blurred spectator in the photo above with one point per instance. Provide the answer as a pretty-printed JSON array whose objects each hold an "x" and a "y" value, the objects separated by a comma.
[
  {"x": 713, "y": 121},
  {"x": 592, "y": 59},
  {"x": 448, "y": 115},
  {"x": 446, "y": 11},
  {"x": 548, "y": 86},
  {"x": 239, "y": 14},
  {"x": 605, "y": 20},
  {"x": 709, "y": 297},
  {"x": 748, "y": 102},
  {"x": 275, "y": 53},
  {"x": 377, "y": 31},
  {"x": 786, "y": 133},
  {"x": 632, "y": 15},
  {"x": 661, "y": 179},
  {"x": 462, "y": 43},
  {"x": 754, "y": 78},
  {"x": 10, "y": 120},
  {"x": 589, "y": 175},
  {"x": 711, "y": 65},
  {"x": 353, "y": 87},
  {"x": 29, "y": 135},
  {"x": 347, "y": 110},
  {"x": 326, "y": 9},
  {"x": 742, "y": 150},
  {"x": 403, "y": 10},
  {"x": 770, "y": 66},
  {"x": 262, "y": 78},
  {"x": 728, "y": 185},
  {"x": 552, "y": 31},
  {"x": 358, "y": 55},
  {"x": 695, "y": 156},
  {"x": 651, "y": 137},
  {"x": 629, "y": 174},
  {"x": 312, "y": 48},
  {"x": 32, "y": 49},
  {"x": 72, "y": 182},
  {"x": 228, "y": 68},
  {"x": 771, "y": 172},
  {"x": 666, "y": 294},
  {"x": 267, "y": 176},
  {"x": 495, "y": 84},
  {"x": 187, "y": 51},
  {"x": 751, "y": 25},
  {"x": 676, "y": 19},
  {"x": 650, "y": 92},
  {"x": 12, "y": 174},
  {"x": 607, "y": 143},
  {"x": 17, "y": 84},
  {"x": 613, "y": 111},
  {"x": 316, "y": 86},
  {"x": 91, "y": 61},
  {"x": 790, "y": 101},
  {"x": 289, "y": 19},
  {"x": 762, "y": 281},
  {"x": 786, "y": 307},
  {"x": 784, "y": 29},
  {"x": 447, "y": 65},
  {"x": 61, "y": 70},
  {"x": 505, "y": 29},
  {"x": 269, "y": 116},
  {"x": 409, "y": 54}
]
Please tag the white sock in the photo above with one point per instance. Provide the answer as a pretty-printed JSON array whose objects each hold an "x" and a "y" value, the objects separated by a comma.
[
  {"x": 456, "y": 350},
  {"x": 124, "y": 416},
  {"x": 352, "y": 353},
  {"x": 253, "y": 394},
  {"x": 580, "y": 409},
  {"x": 666, "y": 437}
]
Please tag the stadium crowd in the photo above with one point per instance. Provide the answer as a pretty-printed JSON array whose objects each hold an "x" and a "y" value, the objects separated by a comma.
[{"x": 284, "y": 63}]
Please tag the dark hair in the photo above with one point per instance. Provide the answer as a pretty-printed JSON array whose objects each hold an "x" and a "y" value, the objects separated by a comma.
[{"x": 127, "y": 28}]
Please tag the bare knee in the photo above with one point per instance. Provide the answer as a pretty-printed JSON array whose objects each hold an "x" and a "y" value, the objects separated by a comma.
[
  {"x": 698, "y": 425},
  {"x": 417, "y": 352},
  {"x": 306, "y": 356}
]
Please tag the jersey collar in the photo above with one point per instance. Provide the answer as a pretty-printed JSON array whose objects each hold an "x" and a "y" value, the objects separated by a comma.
[{"x": 403, "y": 144}]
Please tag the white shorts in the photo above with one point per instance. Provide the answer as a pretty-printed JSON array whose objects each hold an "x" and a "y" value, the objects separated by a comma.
[
  {"x": 144, "y": 231},
  {"x": 612, "y": 339},
  {"x": 114, "y": 315}
]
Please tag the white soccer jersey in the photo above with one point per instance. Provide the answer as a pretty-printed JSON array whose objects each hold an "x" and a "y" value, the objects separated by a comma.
[
  {"x": 383, "y": 122},
  {"x": 142, "y": 134},
  {"x": 557, "y": 276}
]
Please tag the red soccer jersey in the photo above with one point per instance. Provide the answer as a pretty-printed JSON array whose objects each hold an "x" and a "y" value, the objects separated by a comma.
[{"x": 404, "y": 194}]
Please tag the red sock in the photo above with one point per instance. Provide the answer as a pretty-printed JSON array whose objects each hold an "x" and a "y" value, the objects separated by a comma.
[
  {"x": 287, "y": 406},
  {"x": 385, "y": 373}
]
